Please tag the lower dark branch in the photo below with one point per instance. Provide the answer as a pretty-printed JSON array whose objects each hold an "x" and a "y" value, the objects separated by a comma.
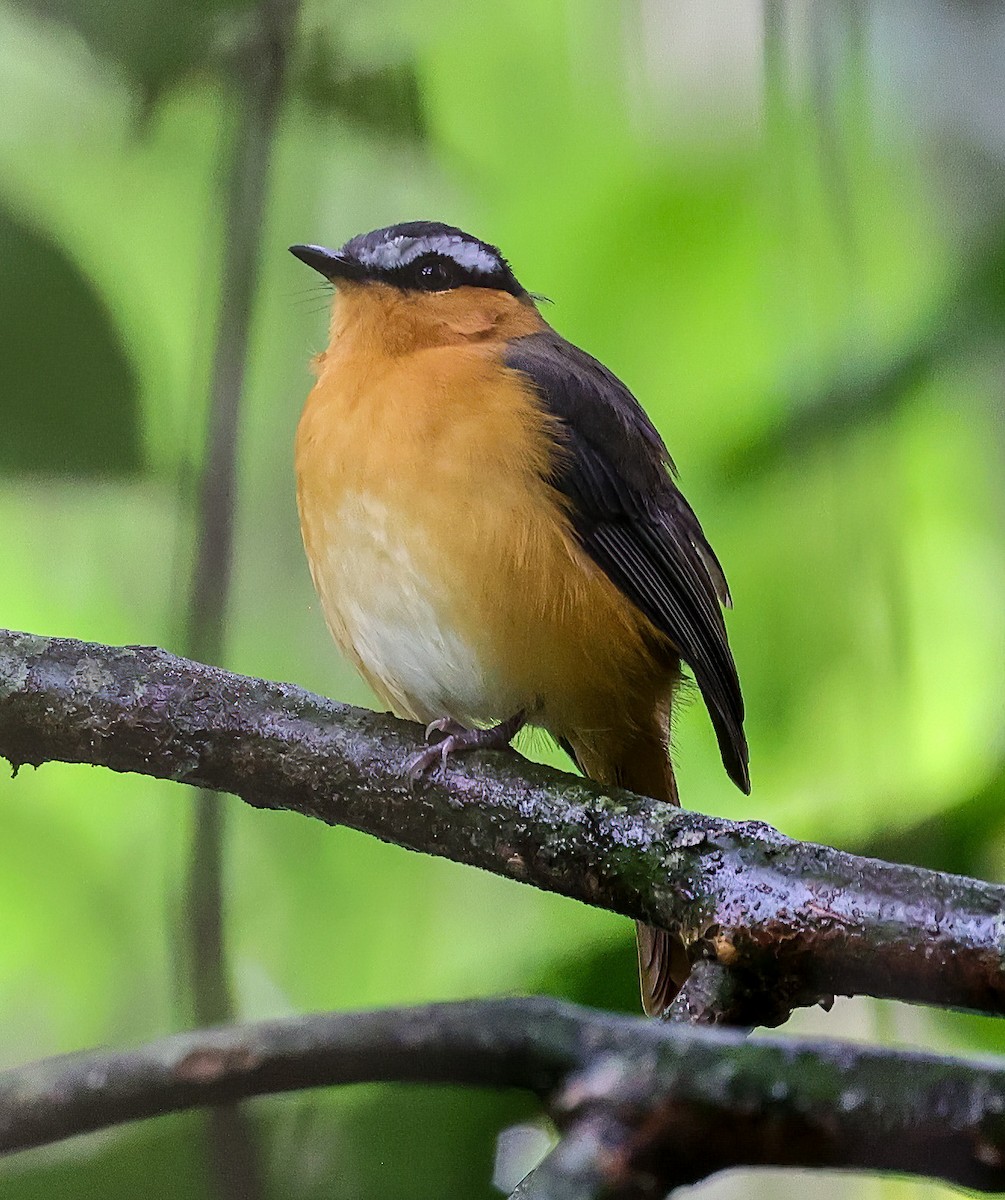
[
  {"x": 579, "y": 1167},
  {"x": 691, "y": 1114},
  {"x": 525, "y": 1044},
  {"x": 795, "y": 922},
  {"x": 690, "y": 1101}
]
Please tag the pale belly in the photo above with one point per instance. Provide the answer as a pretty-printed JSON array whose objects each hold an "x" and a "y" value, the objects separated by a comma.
[{"x": 386, "y": 596}]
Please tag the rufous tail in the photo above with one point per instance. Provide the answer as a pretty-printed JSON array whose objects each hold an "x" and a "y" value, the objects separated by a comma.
[{"x": 642, "y": 765}]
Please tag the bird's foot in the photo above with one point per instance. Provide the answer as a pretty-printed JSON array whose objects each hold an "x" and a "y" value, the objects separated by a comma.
[
  {"x": 445, "y": 727},
  {"x": 457, "y": 738}
]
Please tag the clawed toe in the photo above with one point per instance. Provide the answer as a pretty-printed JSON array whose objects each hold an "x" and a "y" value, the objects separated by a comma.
[
  {"x": 419, "y": 763},
  {"x": 449, "y": 735},
  {"x": 444, "y": 726},
  {"x": 455, "y": 737},
  {"x": 416, "y": 765}
]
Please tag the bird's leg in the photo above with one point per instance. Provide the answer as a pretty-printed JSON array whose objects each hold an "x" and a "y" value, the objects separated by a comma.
[
  {"x": 457, "y": 739},
  {"x": 444, "y": 726}
]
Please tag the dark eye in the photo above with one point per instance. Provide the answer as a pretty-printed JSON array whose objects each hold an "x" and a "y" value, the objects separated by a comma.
[{"x": 435, "y": 275}]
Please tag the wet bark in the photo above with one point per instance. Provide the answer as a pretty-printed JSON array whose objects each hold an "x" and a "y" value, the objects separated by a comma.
[
  {"x": 794, "y": 923},
  {"x": 644, "y": 1105}
]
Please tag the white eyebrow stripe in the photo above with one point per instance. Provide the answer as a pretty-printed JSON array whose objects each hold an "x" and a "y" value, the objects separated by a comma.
[{"x": 400, "y": 251}]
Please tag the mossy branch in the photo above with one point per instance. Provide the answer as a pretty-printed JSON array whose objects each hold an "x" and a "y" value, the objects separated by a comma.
[
  {"x": 644, "y": 1105},
  {"x": 794, "y": 922}
]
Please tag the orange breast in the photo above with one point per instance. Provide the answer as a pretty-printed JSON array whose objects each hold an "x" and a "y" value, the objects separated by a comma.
[{"x": 444, "y": 562}]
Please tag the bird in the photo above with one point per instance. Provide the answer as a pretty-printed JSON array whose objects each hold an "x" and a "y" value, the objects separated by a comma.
[{"x": 495, "y": 532}]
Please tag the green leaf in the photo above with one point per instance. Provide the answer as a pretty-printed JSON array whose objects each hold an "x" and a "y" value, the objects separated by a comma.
[
  {"x": 381, "y": 99},
  {"x": 155, "y": 45},
  {"x": 70, "y": 393}
]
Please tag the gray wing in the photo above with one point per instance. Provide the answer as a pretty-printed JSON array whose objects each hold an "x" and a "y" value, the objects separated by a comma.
[{"x": 635, "y": 524}]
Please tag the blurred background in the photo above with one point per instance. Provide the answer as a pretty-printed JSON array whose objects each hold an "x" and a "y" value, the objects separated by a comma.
[{"x": 783, "y": 224}]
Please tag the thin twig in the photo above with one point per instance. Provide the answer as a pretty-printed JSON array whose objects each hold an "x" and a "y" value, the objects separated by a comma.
[
  {"x": 260, "y": 71},
  {"x": 797, "y": 922},
  {"x": 578, "y": 1168},
  {"x": 714, "y": 995}
]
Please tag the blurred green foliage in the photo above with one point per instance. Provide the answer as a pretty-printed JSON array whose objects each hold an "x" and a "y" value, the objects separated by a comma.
[
  {"x": 47, "y": 430},
  {"x": 800, "y": 276}
]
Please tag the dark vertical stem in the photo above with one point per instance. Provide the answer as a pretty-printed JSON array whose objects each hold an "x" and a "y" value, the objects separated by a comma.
[
  {"x": 774, "y": 56},
  {"x": 832, "y": 54},
  {"x": 781, "y": 185},
  {"x": 259, "y": 76}
]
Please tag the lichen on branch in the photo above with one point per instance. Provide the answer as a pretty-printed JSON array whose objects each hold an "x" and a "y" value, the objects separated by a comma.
[{"x": 794, "y": 922}]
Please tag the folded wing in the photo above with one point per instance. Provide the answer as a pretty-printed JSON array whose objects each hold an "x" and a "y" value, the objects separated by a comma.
[{"x": 635, "y": 524}]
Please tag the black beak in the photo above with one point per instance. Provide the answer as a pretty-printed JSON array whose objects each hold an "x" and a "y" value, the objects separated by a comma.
[{"x": 332, "y": 264}]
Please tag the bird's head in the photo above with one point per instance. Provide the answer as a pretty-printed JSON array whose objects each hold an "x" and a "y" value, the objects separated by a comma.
[{"x": 424, "y": 282}]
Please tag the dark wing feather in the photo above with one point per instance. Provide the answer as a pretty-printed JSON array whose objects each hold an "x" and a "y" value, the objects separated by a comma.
[{"x": 634, "y": 523}]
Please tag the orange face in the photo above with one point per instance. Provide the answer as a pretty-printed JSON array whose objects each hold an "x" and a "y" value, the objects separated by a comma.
[{"x": 396, "y": 322}]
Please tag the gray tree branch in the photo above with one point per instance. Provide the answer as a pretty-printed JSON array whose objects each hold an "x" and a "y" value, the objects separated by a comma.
[
  {"x": 644, "y": 1103},
  {"x": 793, "y": 922}
]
